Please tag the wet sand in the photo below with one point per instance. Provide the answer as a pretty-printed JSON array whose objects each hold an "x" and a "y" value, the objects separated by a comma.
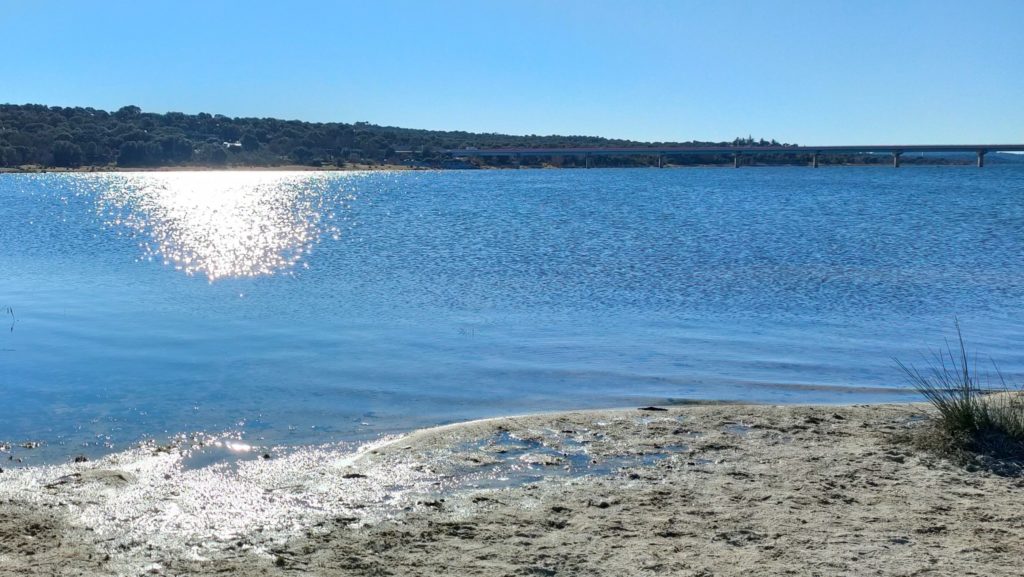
[{"x": 694, "y": 490}]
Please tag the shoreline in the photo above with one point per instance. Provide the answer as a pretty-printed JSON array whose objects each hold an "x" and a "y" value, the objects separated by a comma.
[
  {"x": 405, "y": 167},
  {"x": 723, "y": 489},
  {"x": 228, "y": 168}
]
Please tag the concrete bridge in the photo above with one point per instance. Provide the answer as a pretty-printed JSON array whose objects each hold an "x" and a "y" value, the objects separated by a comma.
[{"x": 738, "y": 152}]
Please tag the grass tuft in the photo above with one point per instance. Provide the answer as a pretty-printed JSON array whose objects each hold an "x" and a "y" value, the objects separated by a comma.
[{"x": 973, "y": 417}]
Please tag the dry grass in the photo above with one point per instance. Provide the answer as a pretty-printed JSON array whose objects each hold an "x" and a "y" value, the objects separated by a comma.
[{"x": 975, "y": 419}]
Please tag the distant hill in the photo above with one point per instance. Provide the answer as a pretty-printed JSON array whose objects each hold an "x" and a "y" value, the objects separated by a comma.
[
  {"x": 46, "y": 136},
  {"x": 36, "y": 135},
  {"x": 50, "y": 136}
]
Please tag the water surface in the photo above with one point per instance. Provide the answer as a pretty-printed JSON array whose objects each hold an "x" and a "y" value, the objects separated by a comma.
[{"x": 294, "y": 308}]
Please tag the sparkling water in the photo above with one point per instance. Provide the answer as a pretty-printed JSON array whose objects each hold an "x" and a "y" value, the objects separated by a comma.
[{"x": 296, "y": 308}]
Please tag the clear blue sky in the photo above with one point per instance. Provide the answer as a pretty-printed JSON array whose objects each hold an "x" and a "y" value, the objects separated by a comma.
[{"x": 815, "y": 72}]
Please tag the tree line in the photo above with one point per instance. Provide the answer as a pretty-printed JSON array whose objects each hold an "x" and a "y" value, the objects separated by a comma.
[
  {"x": 53, "y": 136},
  {"x": 72, "y": 137}
]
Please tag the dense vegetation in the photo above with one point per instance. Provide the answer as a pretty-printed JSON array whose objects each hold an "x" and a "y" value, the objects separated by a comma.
[
  {"x": 52, "y": 136},
  {"x": 71, "y": 137}
]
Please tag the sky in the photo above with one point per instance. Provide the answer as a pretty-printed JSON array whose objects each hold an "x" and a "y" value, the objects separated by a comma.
[{"x": 808, "y": 72}]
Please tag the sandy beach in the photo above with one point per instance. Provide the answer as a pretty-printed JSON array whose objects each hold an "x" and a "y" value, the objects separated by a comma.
[{"x": 691, "y": 490}]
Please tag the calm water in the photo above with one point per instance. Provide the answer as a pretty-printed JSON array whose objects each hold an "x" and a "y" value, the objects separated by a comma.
[{"x": 304, "y": 307}]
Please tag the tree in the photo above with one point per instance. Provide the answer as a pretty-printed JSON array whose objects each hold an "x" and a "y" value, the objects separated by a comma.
[
  {"x": 128, "y": 112},
  {"x": 93, "y": 153},
  {"x": 9, "y": 156},
  {"x": 228, "y": 131},
  {"x": 135, "y": 153},
  {"x": 213, "y": 154},
  {"x": 67, "y": 154},
  {"x": 218, "y": 156},
  {"x": 302, "y": 155},
  {"x": 131, "y": 153},
  {"x": 176, "y": 149},
  {"x": 250, "y": 143}
]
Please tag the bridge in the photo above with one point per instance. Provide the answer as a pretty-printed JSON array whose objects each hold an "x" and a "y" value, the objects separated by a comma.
[{"x": 737, "y": 152}]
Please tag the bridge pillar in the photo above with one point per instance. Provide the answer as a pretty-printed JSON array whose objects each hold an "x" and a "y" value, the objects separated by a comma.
[
  {"x": 814, "y": 160},
  {"x": 981, "y": 158},
  {"x": 586, "y": 160},
  {"x": 661, "y": 161},
  {"x": 736, "y": 160},
  {"x": 896, "y": 159},
  {"x": 517, "y": 160}
]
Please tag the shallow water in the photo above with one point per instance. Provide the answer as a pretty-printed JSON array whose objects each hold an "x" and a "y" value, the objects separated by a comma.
[{"x": 296, "y": 308}]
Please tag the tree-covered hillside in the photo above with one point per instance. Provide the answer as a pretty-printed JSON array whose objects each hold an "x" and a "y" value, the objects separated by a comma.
[
  {"x": 52, "y": 136},
  {"x": 34, "y": 135}
]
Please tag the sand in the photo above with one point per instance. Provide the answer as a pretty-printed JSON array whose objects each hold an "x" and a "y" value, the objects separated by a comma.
[{"x": 695, "y": 490}]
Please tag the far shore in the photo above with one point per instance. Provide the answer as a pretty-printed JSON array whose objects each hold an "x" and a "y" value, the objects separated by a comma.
[
  {"x": 211, "y": 168},
  {"x": 680, "y": 490},
  {"x": 385, "y": 167}
]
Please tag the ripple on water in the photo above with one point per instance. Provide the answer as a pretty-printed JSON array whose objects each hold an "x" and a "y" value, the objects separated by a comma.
[{"x": 297, "y": 303}]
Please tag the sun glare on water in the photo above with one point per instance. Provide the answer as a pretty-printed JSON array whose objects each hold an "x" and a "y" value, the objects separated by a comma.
[{"x": 223, "y": 224}]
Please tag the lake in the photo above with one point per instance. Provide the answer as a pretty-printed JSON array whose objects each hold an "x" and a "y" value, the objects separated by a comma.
[{"x": 284, "y": 309}]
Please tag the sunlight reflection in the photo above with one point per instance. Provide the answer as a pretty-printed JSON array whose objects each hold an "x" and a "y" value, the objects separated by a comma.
[{"x": 224, "y": 224}]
